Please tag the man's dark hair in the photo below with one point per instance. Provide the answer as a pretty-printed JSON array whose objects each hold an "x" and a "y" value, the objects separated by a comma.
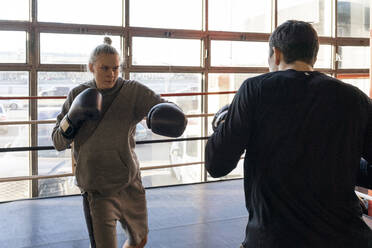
[{"x": 297, "y": 40}]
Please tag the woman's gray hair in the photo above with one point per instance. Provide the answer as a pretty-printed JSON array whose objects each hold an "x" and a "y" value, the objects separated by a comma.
[{"x": 105, "y": 48}]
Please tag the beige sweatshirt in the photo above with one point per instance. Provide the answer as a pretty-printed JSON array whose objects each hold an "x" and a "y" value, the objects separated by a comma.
[{"x": 104, "y": 148}]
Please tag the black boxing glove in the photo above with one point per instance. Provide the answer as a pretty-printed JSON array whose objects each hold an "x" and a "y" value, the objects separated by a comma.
[
  {"x": 86, "y": 106},
  {"x": 166, "y": 119},
  {"x": 220, "y": 117}
]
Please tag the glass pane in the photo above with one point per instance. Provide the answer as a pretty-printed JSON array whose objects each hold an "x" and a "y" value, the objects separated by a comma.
[
  {"x": 59, "y": 83},
  {"x": 10, "y": 191},
  {"x": 226, "y": 81},
  {"x": 165, "y": 153},
  {"x": 56, "y": 84},
  {"x": 13, "y": 47},
  {"x": 159, "y": 51},
  {"x": 170, "y": 153},
  {"x": 363, "y": 84},
  {"x": 53, "y": 162},
  {"x": 12, "y": 135},
  {"x": 70, "y": 48},
  {"x": 171, "y": 176},
  {"x": 353, "y": 18},
  {"x": 71, "y": 11},
  {"x": 324, "y": 59},
  {"x": 14, "y": 164},
  {"x": 194, "y": 129},
  {"x": 12, "y": 84},
  {"x": 14, "y": 10},
  {"x": 223, "y": 82},
  {"x": 352, "y": 57},
  {"x": 174, "y": 83},
  {"x": 240, "y": 15},
  {"x": 186, "y": 14},
  {"x": 57, "y": 187},
  {"x": 239, "y": 53},
  {"x": 186, "y": 152},
  {"x": 153, "y": 154},
  {"x": 317, "y": 12}
]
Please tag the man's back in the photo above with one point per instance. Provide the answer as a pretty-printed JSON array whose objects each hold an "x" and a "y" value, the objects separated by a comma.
[
  {"x": 303, "y": 154},
  {"x": 303, "y": 133}
]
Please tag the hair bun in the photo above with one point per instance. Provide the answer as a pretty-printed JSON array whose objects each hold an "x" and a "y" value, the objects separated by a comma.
[{"x": 107, "y": 40}]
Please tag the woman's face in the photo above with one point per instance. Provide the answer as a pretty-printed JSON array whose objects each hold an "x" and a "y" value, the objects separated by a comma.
[{"x": 105, "y": 70}]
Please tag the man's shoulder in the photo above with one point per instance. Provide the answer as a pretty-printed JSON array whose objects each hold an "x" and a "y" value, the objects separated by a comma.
[
  {"x": 342, "y": 86},
  {"x": 261, "y": 77},
  {"x": 257, "y": 81}
]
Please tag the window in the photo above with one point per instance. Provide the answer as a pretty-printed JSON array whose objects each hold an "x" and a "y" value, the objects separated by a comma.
[
  {"x": 14, "y": 10},
  {"x": 175, "y": 83},
  {"x": 14, "y": 83},
  {"x": 14, "y": 190},
  {"x": 70, "y": 48},
  {"x": 324, "y": 58},
  {"x": 189, "y": 47},
  {"x": 240, "y": 15},
  {"x": 60, "y": 83},
  {"x": 13, "y": 47},
  {"x": 220, "y": 82},
  {"x": 239, "y": 53},
  {"x": 316, "y": 12},
  {"x": 161, "y": 51},
  {"x": 353, "y": 57},
  {"x": 96, "y": 12},
  {"x": 166, "y": 14},
  {"x": 353, "y": 18}
]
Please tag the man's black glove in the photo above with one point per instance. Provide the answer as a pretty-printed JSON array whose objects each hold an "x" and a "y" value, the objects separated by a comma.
[{"x": 220, "y": 117}]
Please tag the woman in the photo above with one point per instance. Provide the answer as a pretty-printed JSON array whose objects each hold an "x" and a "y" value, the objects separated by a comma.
[{"x": 100, "y": 117}]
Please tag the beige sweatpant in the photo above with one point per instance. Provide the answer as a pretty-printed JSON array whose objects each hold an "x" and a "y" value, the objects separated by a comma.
[{"x": 127, "y": 206}]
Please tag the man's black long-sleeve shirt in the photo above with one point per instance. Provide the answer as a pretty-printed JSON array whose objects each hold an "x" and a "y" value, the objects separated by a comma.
[{"x": 303, "y": 134}]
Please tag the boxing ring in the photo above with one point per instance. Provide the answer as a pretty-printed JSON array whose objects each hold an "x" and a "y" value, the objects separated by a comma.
[
  {"x": 201, "y": 215},
  {"x": 204, "y": 215},
  {"x": 198, "y": 215}
]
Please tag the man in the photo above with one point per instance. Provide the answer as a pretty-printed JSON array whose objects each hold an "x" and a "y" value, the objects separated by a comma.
[{"x": 303, "y": 134}]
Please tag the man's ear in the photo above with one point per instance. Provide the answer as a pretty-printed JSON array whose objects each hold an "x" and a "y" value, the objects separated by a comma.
[
  {"x": 278, "y": 55},
  {"x": 91, "y": 69}
]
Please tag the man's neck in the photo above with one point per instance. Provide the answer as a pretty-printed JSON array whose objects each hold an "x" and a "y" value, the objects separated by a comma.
[{"x": 297, "y": 65}]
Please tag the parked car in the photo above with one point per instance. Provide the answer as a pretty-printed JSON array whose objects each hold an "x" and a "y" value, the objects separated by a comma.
[
  {"x": 14, "y": 104},
  {"x": 55, "y": 91},
  {"x": 3, "y": 117}
]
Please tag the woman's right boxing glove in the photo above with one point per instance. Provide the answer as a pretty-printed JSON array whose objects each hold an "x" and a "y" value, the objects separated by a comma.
[{"x": 86, "y": 106}]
